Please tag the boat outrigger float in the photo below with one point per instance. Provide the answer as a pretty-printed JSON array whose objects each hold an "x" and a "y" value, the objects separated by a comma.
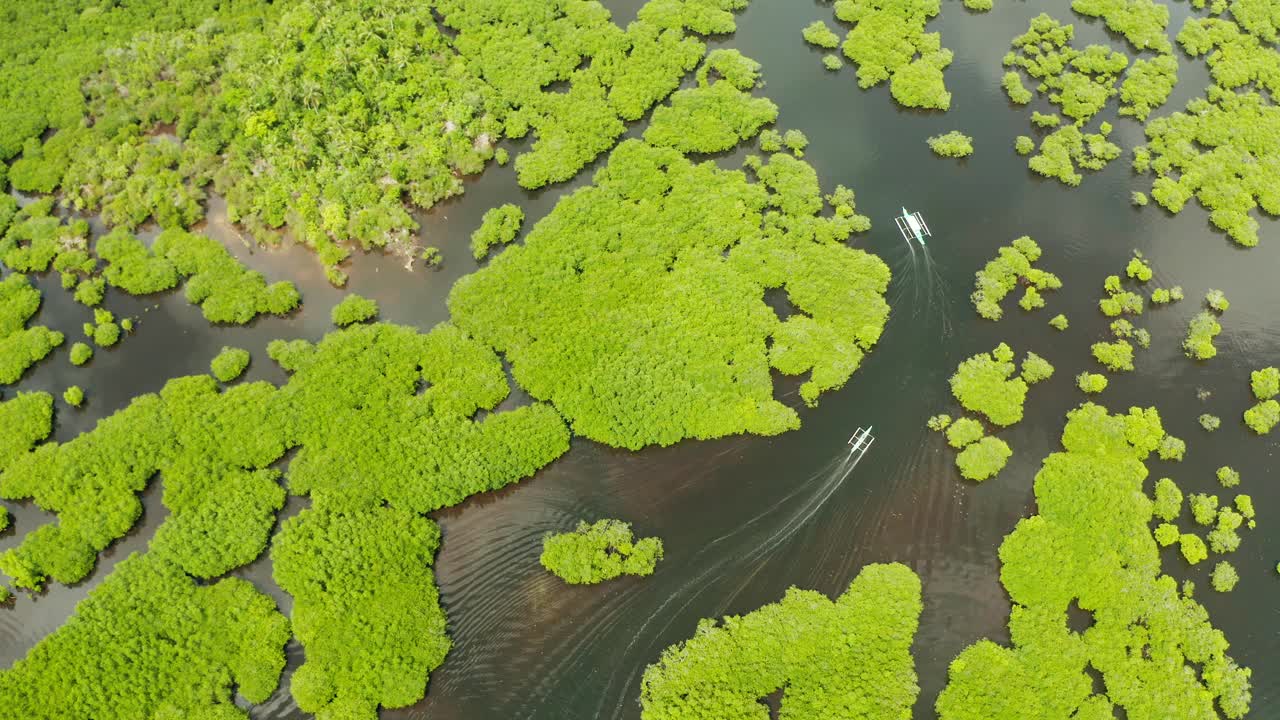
[
  {"x": 912, "y": 226},
  {"x": 860, "y": 442}
]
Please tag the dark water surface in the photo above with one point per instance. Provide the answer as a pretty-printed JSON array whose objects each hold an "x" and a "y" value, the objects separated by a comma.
[{"x": 744, "y": 518}]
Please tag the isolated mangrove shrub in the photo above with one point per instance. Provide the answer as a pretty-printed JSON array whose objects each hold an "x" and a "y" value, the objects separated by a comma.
[
  {"x": 888, "y": 42},
  {"x": 1066, "y": 149},
  {"x": 1192, "y": 548},
  {"x": 983, "y": 459},
  {"x": 1204, "y": 507},
  {"x": 1209, "y": 422},
  {"x": 1059, "y": 322},
  {"x": 599, "y": 551},
  {"x": 81, "y": 353},
  {"x": 229, "y": 364},
  {"x": 21, "y": 346},
  {"x": 963, "y": 431},
  {"x": 1224, "y": 577},
  {"x": 1201, "y": 331},
  {"x": 1265, "y": 383},
  {"x": 1115, "y": 356},
  {"x": 1217, "y": 301},
  {"x": 1138, "y": 269},
  {"x": 940, "y": 422},
  {"x": 353, "y": 309},
  {"x": 499, "y": 226},
  {"x": 847, "y": 658},
  {"x": 150, "y": 637},
  {"x": 1091, "y": 382},
  {"x": 1035, "y": 369},
  {"x": 1166, "y": 534},
  {"x": 73, "y": 396},
  {"x": 1167, "y": 500},
  {"x": 1091, "y": 545},
  {"x": 1164, "y": 296},
  {"x": 357, "y": 574},
  {"x": 954, "y": 144},
  {"x": 985, "y": 384},
  {"x": 1228, "y": 477},
  {"x": 832, "y": 62},
  {"x": 1264, "y": 416},
  {"x": 819, "y": 34},
  {"x": 641, "y": 338},
  {"x": 1013, "y": 263}
]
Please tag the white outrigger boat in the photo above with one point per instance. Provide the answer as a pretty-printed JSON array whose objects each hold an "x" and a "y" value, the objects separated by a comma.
[
  {"x": 912, "y": 226},
  {"x": 860, "y": 442}
]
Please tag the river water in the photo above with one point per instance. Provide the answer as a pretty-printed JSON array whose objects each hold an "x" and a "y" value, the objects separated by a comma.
[{"x": 743, "y": 518}]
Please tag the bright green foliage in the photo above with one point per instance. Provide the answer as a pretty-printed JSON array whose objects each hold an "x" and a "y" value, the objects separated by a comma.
[
  {"x": 1163, "y": 296},
  {"x": 133, "y": 268},
  {"x": 356, "y": 575},
  {"x": 1115, "y": 356},
  {"x": 1224, "y": 577},
  {"x": 150, "y": 637},
  {"x": 938, "y": 423},
  {"x": 1223, "y": 538},
  {"x": 1264, "y": 416},
  {"x": 1122, "y": 328},
  {"x": 1035, "y": 369},
  {"x": 984, "y": 459},
  {"x": 819, "y": 34},
  {"x": 73, "y": 396},
  {"x": 964, "y": 431},
  {"x": 1168, "y": 500},
  {"x": 888, "y": 42},
  {"x": 1059, "y": 322},
  {"x": 1221, "y": 150},
  {"x": 106, "y": 334},
  {"x": 795, "y": 141},
  {"x": 1091, "y": 382},
  {"x": 985, "y": 384},
  {"x": 1091, "y": 546},
  {"x": 832, "y": 62},
  {"x": 1066, "y": 148},
  {"x": 20, "y": 346},
  {"x": 954, "y": 144},
  {"x": 1031, "y": 300},
  {"x": 1042, "y": 120},
  {"x": 1193, "y": 548},
  {"x": 1166, "y": 534},
  {"x": 229, "y": 364},
  {"x": 1148, "y": 85},
  {"x": 1228, "y": 476},
  {"x": 1172, "y": 448},
  {"x": 979, "y": 5},
  {"x": 1210, "y": 422},
  {"x": 641, "y": 337},
  {"x": 1138, "y": 269},
  {"x": 599, "y": 551},
  {"x": 1201, "y": 331},
  {"x": 1244, "y": 504},
  {"x": 1204, "y": 507},
  {"x": 1217, "y": 301},
  {"x": 1017, "y": 93},
  {"x": 91, "y": 291},
  {"x": 1024, "y": 145},
  {"x": 709, "y": 118},
  {"x": 1001, "y": 275},
  {"x": 81, "y": 353},
  {"x": 1139, "y": 199},
  {"x": 27, "y": 419},
  {"x": 499, "y": 226},
  {"x": 1141, "y": 22},
  {"x": 850, "y": 658},
  {"x": 127, "y": 324},
  {"x": 1265, "y": 383},
  {"x": 297, "y": 112},
  {"x": 353, "y": 309}
]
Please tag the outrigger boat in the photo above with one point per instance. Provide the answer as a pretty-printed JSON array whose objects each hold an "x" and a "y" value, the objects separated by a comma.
[
  {"x": 912, "y": 226},
  {"x": 860, "y": 441}
]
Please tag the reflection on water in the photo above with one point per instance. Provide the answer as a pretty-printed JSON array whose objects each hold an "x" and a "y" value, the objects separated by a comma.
[{"x": 744, "y": 518}]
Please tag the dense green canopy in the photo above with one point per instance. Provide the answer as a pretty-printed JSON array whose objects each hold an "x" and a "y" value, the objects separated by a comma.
[
  {"x": 888, "y": 42},
  {"x": 1091, "y": 546},
  {"x": 21, "y": 346},
  {"x": 637, "y": 306},
  {"x": 599, "y": 551},
  {"x": 845, "y": 659}
]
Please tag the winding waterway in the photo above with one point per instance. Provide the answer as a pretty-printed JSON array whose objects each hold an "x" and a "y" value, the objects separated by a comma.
[{"x": 744, "y": 518}]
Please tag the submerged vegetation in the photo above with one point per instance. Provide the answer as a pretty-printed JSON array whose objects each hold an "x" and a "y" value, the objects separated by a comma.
[
  {"x": 847, "y": 658},
  {"x": 1090, "y": 545},
  {"x": 599, "y": 551}
]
